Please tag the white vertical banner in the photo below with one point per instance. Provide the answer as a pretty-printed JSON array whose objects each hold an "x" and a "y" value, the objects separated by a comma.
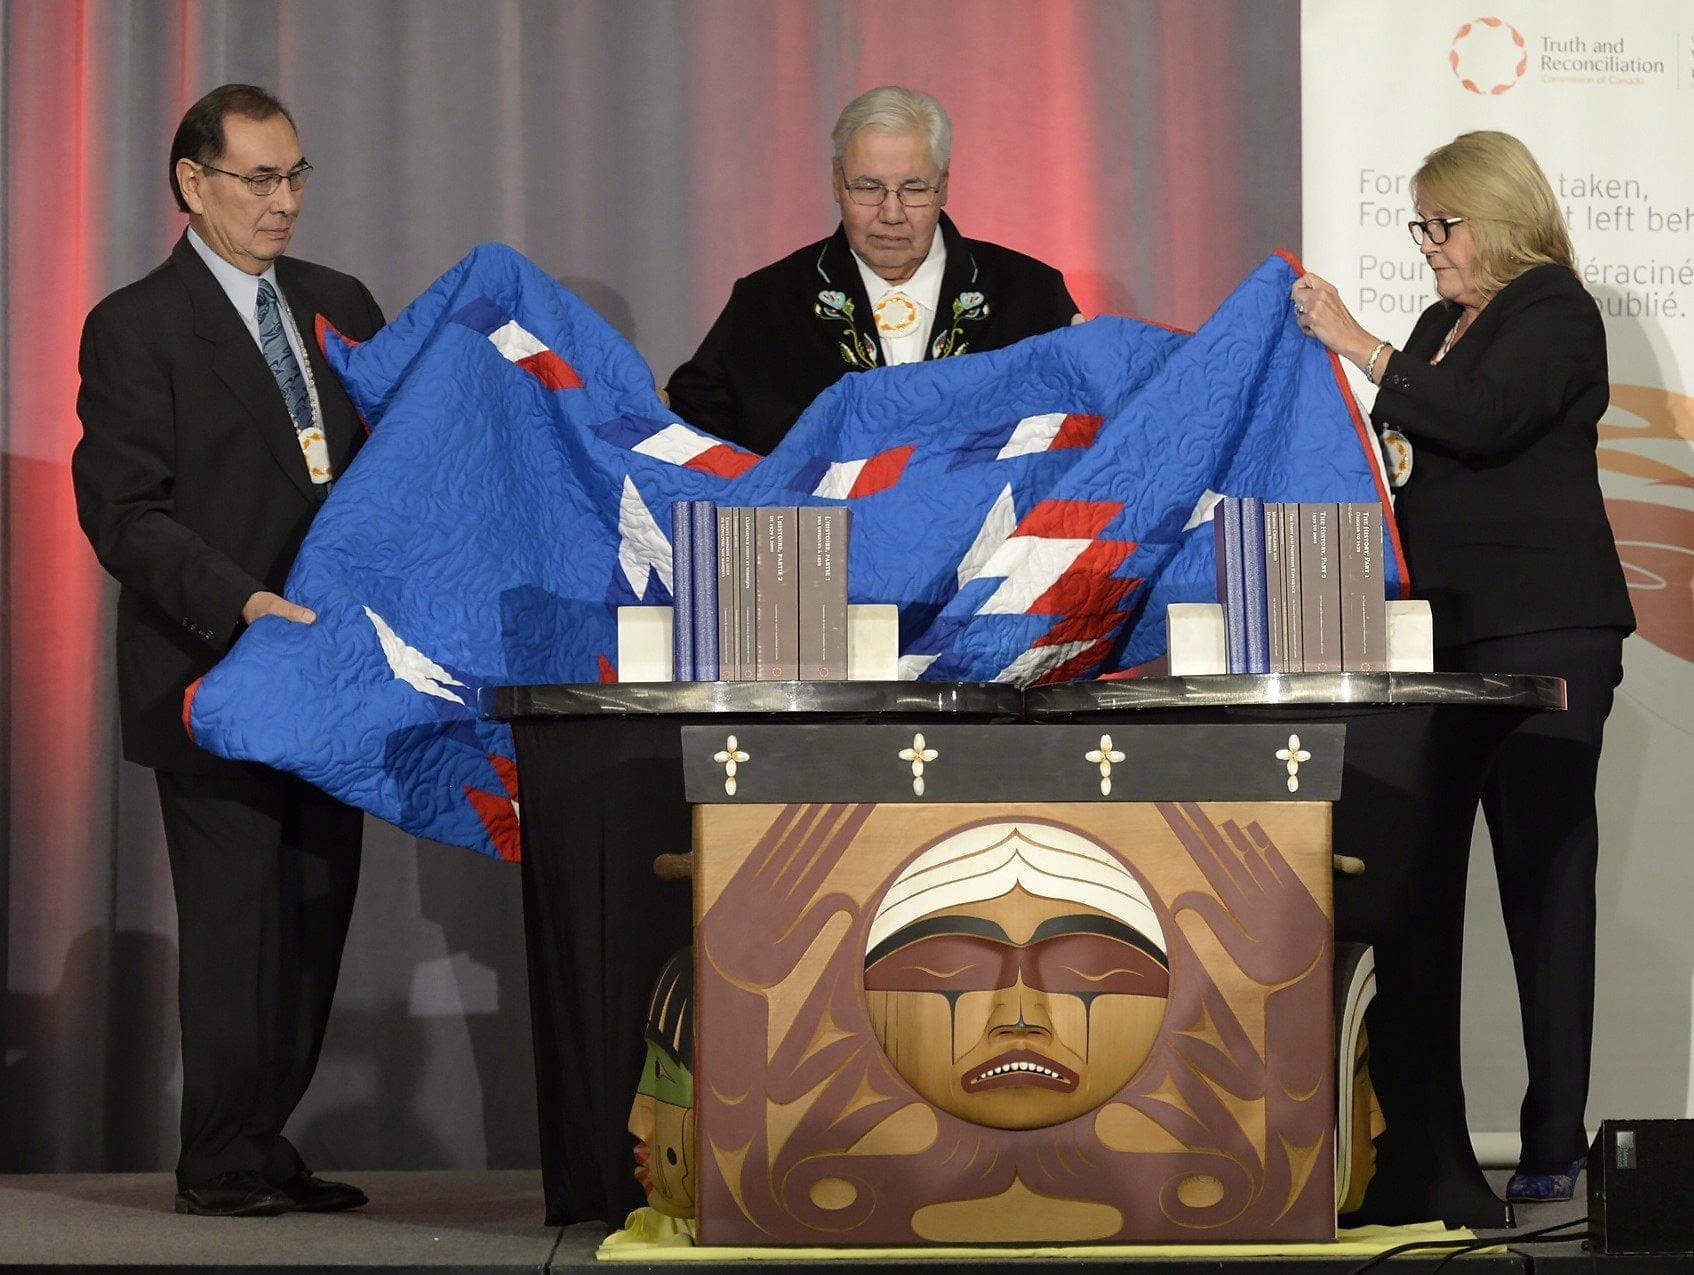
[{"x": 1603, "y": 95}]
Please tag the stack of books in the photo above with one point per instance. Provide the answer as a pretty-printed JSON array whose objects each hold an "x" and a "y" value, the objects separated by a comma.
[
  {"x": 760, "y": 593},
  {"x": 1301, "y": 586}
]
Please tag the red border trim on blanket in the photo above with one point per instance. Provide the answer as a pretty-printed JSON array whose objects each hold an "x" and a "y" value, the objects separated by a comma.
[
  {"x": 321, "y": 326},
  {"x": 188, "y": 708}
]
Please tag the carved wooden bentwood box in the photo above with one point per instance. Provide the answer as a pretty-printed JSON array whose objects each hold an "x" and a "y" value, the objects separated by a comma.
[{"x": 1013, "y": 983}]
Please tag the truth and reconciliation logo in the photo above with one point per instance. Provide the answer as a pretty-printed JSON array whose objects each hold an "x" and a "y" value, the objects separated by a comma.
[{"x": 1488, "y": 55}]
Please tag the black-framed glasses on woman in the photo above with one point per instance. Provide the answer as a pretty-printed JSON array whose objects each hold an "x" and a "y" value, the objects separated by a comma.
[
  {"x": 1436, "y": 228},
  {"x": 266, "y": 183}
]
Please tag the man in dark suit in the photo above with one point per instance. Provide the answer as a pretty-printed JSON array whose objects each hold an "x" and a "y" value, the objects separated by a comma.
[
  {"x": 884, "y": 289},
  {"x": 212, "y": 431}
]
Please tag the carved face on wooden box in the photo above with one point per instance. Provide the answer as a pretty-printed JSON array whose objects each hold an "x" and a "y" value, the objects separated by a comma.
[
  {"x": 1059, "y": 1023},
  {"x": 1360, "y": 1132},
  {"x": 1016, "y": 975},
  {"x": 662, "y": 1116}
]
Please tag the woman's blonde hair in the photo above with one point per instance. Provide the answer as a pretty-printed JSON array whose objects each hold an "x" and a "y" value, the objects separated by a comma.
[{"x": 1493, "y": 182}]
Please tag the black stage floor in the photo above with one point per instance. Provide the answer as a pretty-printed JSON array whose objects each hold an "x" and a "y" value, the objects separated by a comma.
[{"x": 490, "y": 1222}]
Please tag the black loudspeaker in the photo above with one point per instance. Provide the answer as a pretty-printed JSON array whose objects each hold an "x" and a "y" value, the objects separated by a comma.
[{"x": 1640, "y": 1183}]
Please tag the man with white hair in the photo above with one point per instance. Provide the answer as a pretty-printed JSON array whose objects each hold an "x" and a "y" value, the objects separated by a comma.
[{"x": 884, "y": 289}]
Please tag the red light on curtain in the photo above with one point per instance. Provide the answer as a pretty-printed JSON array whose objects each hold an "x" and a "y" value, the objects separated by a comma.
[{"x": 55, "y": 588}]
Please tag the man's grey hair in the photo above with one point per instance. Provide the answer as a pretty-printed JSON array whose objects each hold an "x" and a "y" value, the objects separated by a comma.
[{"x": 897, "y": 110}]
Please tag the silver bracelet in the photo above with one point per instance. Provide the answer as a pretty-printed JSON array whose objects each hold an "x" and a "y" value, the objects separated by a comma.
[{"x": 1370, "y": 363}]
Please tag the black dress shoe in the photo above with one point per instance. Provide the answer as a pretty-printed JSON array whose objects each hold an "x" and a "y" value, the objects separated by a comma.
[
  {"x": 243, "y": 1194},
  {"x": 308, "y": 1193}
]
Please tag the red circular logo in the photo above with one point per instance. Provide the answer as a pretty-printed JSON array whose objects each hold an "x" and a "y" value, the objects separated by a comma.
[{"x": 1488, "y": 55}]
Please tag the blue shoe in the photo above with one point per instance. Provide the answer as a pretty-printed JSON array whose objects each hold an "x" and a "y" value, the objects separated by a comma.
[{"x": 1542, "y": 1188}]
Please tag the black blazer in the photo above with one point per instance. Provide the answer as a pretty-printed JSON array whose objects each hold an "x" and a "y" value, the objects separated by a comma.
[
  {"x": 190, "y": 483},
  {"x": 1502, "y": 519},
  {"x": 779, "y": 343}
]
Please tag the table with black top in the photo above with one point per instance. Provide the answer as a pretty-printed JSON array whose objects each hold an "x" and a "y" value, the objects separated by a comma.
[
  {"x": 1418, "y": 746},
  {"x": 601, "y": 777}
]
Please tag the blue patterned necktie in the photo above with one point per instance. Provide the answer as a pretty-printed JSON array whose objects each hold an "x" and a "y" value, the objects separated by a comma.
[{"x": 280, "y": 355}]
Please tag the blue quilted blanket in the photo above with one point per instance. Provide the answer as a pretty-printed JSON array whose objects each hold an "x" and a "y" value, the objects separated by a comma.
[{"x": 1031, "y": 510}]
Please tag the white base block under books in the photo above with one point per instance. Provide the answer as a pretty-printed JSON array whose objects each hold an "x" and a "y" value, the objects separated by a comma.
[
  {"x": 644, "y": 644},
  {"x": 1194, "y": 634},
  {"x": 1411, "y": 637},
  {"x": 873, "y": 643}
]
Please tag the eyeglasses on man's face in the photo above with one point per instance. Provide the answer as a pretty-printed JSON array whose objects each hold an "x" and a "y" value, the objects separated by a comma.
[
  {"x": 870, "y": 194},
  {"x": 262, "y": 184},
  {"x": 1435, "y": 228}
]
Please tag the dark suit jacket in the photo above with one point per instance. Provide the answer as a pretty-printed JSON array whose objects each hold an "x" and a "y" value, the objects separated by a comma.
[
  {"x": 190, "y": 483},
  {"x": 1502, "y": 519},
  {"x": 779, "y": 343}
]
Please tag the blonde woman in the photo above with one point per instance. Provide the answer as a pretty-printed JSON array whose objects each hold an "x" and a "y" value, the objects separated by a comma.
[{"x": 1490, "y": 410}]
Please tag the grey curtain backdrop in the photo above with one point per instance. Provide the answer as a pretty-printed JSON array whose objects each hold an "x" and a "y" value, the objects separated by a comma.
[{"x": 646, "y": 152}]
